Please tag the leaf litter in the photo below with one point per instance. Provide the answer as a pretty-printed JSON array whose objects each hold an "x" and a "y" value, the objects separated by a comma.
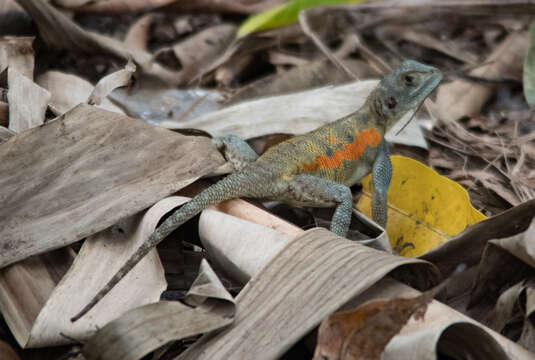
[{"x": 82, "y": 185}]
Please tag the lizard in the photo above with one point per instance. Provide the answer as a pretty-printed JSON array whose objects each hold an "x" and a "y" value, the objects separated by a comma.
[{"x": 314, "y": 169}]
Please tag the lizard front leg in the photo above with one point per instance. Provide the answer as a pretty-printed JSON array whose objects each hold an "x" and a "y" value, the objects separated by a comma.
[
  {"x": 235, "y": 150},
  {"x": 382, "y": 174},
  {"x": 315, "y": 191}
]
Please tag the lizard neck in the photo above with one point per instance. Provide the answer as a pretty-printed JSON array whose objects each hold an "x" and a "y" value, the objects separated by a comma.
[{"x": 367, "y": 117}]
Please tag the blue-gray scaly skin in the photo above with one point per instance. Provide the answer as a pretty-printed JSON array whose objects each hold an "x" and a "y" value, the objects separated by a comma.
[{"x": 314, "y": 169}]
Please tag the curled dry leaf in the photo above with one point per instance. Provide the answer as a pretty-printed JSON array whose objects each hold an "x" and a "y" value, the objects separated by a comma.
[
  {"x": 132, "y": 336},
  {"x": 443, "y": 331},
  {"x": 27, "y": 102},
  {"x": 110, "y": 82},
  {"x": 504, "y": 262},
  {"x": 89, "y": 149},
  {"x": 225, "y": 6},
  {"x": 69, "y": 90},
  {"x": 467, "y": 249},
  {"x": 310, "y": 110},
  {"x": 318, "y": 266}
]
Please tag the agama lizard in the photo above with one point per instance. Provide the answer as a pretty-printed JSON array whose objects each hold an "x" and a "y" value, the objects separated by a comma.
[{"x": 315, "y": 169}]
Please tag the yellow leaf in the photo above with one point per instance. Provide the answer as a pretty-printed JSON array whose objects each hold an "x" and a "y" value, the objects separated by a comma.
[{"x": 424, "y": 208}]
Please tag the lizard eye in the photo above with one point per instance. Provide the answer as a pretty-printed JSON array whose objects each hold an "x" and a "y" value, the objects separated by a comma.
[
  {"x": 391, "y": 102},
  {"x": 409, "y": 80}
]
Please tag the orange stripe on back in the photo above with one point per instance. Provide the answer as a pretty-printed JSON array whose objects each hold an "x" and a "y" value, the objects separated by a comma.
[{"x": 352, "y": 151}]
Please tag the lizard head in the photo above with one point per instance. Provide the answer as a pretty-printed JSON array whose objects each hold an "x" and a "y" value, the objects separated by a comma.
[{"x": 402, "y": 90}]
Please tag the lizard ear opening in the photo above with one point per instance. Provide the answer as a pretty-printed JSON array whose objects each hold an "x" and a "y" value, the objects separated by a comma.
[
  {"x": 409, "y": 80},
  {"x": 391, "y": 102}
]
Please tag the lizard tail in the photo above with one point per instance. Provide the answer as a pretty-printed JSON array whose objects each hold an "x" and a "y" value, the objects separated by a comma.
[{"x": 233, "y": 186}]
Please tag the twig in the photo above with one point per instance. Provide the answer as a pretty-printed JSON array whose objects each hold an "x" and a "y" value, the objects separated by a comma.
[{"x": 307, "y": 30}]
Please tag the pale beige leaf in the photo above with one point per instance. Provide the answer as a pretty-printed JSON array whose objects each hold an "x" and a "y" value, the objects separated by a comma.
[
  {"x": 146, "y": 328},
  {"x": 110, "y": 82},
  {"x": 310, "y": 278},
  {"x": 18, "y": 54},
  {"x": 240, "y": 247},
  {"x": 84, "y": 178},
  {"x": 310, "y": 110},
  {"x": 69, "y": 90},
  {"x": 27, "y": 102}
]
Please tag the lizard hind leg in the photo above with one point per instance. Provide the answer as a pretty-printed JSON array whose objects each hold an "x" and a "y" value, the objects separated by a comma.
[
  {"x": 314, "y": 191},
  {"x": 235, "y": 150}
]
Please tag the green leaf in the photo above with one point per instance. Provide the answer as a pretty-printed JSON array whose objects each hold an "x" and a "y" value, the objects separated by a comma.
[
  {"x": 529, "y": 70},
  {"x": 283, "y": 14}
]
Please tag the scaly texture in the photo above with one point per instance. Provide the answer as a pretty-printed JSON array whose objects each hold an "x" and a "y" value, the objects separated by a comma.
[{"x": 315, "y": 169}]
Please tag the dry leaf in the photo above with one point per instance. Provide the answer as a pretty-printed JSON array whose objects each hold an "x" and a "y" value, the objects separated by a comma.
[
  {"x": 138, "y": 34},
  {"x": 89, "y": 149},
  {"x": 69, "y": 90},
  {"x": 462, "y": 98},
  {"x": 443, "y": 331},
  {"x": 27, "y": 102},
  {"x": 110, "y": 82},
  {"x": 132, "y": 336},
  {"x": 54, "y": 27},
  {"x": 310, "y": 278}
]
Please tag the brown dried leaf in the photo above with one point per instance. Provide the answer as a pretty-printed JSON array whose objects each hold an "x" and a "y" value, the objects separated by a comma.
[
  {"x": 132, "y": 336},
  {"x": 443, "y": 331},
  {"x": 379, "y": 322},
  {"x": 318, "y": 266},
  {"x": 44, "y": 206}
]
